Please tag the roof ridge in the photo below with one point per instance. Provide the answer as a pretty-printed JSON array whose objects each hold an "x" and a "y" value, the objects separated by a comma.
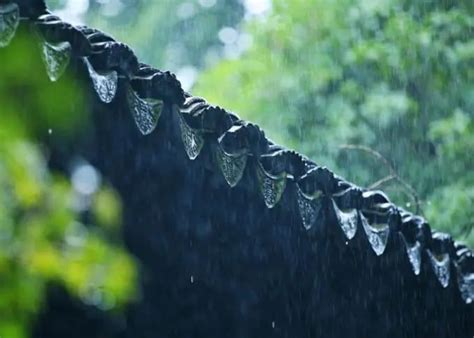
[{"x": 354, "y": 208}]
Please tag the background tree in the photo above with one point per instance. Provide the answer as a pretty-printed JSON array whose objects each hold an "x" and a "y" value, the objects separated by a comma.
[
  {"x": 183, "y": 36},
  {"x": 379, "y": 91}
]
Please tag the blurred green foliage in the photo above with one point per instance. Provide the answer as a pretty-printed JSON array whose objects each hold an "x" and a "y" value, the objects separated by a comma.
[
  {"x": 168, "y": 34},
  {"x": 43, "y": 237},
  {"x": 348, "y": 82}
]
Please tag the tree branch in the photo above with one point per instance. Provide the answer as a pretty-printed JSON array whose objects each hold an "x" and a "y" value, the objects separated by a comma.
[
  {"x": 381, "y": 182},
  {"x": 393, "y": 175}
]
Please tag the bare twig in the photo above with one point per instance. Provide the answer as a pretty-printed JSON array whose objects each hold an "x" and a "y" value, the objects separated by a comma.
[
  {"x": 380, "y": 182},
  {"x": 393, "y": 175}
]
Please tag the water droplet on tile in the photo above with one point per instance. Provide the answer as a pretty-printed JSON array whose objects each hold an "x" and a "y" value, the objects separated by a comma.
[
  {"x": 145, "y": 112},
  {"x": 347, "y": 220},
  {"x": 56, "y": 58},
  {"x": 466, "y": 285},
  {"x": 309, "y": 207},
  {"x": 193, "y": 140},
  {"x": 377, "y": 234},
  {"x": 272, "y": 188},
  {"x": 440, "y": 265},
  {"x": 9, "y": 20},
  {"x": 104, "y": 84},
  {"x": 414, "y": 255},
  {"x": 232, "y": 166}
]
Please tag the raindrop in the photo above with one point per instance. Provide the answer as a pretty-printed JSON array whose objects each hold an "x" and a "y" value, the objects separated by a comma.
[
  {"x": 104, "y": 84},
  {"x": 192, "y": 279},
  {"x": 466, "y": 285},
  {"x": 50, "y": 131},
  {"x": 273, "y": 325},
  {"x": 146, "y": 112},
  {"x": 193, "y": 141},
  {"x": 440, "y": 265},
  {"x": 9, "y": 19},
  {"x": 56, "y": 58},
  {"x": 231, "y": 165},
  {"x": 347, "y": 220},
  {"x": 272, "y": 187},
  {"x": 309, "y": 207},
  {"x": 414, "y": 255},
  {"x": 376, "y": 234}
]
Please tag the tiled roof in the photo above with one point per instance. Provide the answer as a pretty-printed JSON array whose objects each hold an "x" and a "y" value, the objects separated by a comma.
[{"x": 275, "y": 167}]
